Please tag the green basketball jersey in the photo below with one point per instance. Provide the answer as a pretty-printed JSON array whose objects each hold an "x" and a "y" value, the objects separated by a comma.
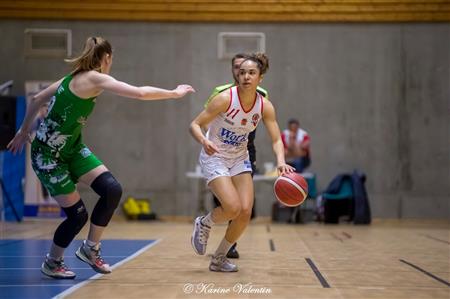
[
  {"x": 67, "y": 115},
  {"x": 221, "y": 88}
]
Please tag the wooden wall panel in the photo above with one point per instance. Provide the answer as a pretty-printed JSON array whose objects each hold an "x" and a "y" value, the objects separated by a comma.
[{"x": 231, "y": 10}]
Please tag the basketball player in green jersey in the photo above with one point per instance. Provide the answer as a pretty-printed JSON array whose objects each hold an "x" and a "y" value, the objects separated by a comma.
[
  {"x": 235, "y": 64},
  {"x": 61, "y": 159}
]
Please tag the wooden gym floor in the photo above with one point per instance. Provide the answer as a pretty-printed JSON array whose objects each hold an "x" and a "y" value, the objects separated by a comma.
[{"x": 388, "y": 259}]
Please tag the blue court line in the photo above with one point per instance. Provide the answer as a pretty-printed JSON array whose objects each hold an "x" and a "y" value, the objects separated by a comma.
[{"x": 20, "y": 263}]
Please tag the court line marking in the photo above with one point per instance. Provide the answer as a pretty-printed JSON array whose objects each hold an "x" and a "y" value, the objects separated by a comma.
[
  {"x": 336, "y": 237},
  {"x": 426, "y": 272},
  {"x": 272, "y": 245},
  {"x": 319, "y": 275},
  {"x": 436, "y": 239},
  {"x": 347, "y": 235},
  {"x": 98, "y": 275}
]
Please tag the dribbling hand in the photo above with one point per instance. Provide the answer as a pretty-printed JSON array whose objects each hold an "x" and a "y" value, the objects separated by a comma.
[
  {"x": 210, "y": 148},
  {"x": 16, "y": 144},
  {"x": 182, "y": 90},
  {"x": 284, "y": 169}
]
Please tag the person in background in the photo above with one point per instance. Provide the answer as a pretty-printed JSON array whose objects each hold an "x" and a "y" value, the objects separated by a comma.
[{"x": 296, "y": 146}]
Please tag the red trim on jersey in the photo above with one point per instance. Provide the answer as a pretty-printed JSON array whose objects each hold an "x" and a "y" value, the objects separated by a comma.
[
  {"x": 231, "y": 100},
  {"x": 254, "y": 102},
  {"x": 262, "y": 104}
]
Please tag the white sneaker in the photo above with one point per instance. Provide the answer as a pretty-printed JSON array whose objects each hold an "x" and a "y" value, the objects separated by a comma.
[
  {"x": 200, "y": 236},
  {"x": 219, "y": 263},
  {"x": 93, "y": 258},
  {"x": 56, "y": 269}
]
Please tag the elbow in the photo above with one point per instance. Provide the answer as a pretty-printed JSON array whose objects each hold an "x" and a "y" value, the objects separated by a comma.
[
  {"x": 141, "y": 94},
  {"x": 191, "y": 127}
]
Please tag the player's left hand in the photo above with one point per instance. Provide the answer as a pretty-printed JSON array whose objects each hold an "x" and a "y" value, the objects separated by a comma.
[{"x": 284, "y": 169}]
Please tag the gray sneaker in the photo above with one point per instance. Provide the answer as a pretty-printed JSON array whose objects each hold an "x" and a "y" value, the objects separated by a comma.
[
  {"x": 219, "y": 263},
  {"x": 93, "y": 258},
  {"x": 56, "y": 269},
  {"x": 200, "y": 236}
]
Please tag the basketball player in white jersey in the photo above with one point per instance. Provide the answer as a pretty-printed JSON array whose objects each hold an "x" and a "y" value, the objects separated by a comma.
[{"x": 224, "y": 159}]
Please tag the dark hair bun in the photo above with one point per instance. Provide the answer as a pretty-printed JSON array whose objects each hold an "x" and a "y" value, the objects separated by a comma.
[{"x": 263, "y": 61}]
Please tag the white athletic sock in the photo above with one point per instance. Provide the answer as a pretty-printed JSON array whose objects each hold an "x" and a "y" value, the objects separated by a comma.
[
  {"x": 56, "y": 259},
  {"x": 91, "y": 244},
  {"x": 207, "y": 220},
  {"x": 223, "y": 247}
]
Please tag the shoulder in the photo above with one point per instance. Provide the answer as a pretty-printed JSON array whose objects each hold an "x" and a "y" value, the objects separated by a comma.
[
  {"x": 97, "y": 78},
  {"x": 93, "y": 75},
  {"x": 302, "y": 132},
  {"x": 269, "y": 109},
  {"x": 220, "y": 102}
]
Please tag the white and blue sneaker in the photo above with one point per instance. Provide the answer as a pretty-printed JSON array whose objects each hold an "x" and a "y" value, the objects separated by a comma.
[
  {"x": 220, "y": 263},
  {"x": 200, "y": 236}
]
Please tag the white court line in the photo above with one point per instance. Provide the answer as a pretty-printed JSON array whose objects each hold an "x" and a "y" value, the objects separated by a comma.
[
  {"x": 96, "y": 276},
  {"x": 66, "y": 257}
]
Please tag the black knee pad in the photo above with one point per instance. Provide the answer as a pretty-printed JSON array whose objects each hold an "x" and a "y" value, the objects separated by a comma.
[
  {"x": 77, "y": 217},
  {"x": 110, "y": 193}
]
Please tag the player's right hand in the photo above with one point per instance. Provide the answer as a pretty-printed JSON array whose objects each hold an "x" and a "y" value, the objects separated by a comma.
[
  {"x": 210, "y": 148},
  {"x": 182, "y": 90},
  {"x": 16, "y": 144}
]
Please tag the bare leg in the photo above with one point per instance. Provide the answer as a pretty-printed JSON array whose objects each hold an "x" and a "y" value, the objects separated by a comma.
[
  {"x": 244, "y": 185},
  {"x": 228, "y": 196},
  {"x": 236, "y": 198}
]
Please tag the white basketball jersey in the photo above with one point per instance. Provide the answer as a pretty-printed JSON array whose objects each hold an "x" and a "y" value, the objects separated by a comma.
[{"x": 229, "y": 130}]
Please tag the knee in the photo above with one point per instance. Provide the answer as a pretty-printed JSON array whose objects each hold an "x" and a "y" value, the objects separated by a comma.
[
  {"x": 246, "y": 213},
  {"x": 109, "y": 189},
  {"x": 77, "y": 215},
  {"x": 233, "y": 210},
  {"x": 80, "y": 221},
  {"x": 114, "y": 194}
]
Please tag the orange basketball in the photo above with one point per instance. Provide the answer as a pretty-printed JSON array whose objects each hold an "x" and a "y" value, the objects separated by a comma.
[{"x": 290, "y": 189}]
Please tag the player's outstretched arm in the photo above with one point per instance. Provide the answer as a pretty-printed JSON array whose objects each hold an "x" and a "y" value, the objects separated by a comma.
[
  {"x": 106, "y": 82},
  {"x": 23, "y": 134}
]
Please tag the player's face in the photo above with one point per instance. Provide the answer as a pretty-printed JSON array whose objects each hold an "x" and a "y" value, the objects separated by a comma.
[
  {"x": 293, "y": 127},
  {"x": 235, "y": 68},
  {"x": 249, "y": 75}
]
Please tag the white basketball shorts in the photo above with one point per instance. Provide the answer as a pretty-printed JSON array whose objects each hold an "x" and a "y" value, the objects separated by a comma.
[{"x": 214, "y": 166}]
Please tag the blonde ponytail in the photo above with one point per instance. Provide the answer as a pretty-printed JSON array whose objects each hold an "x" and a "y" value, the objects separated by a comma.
[{"x": 91, "y": 57}]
